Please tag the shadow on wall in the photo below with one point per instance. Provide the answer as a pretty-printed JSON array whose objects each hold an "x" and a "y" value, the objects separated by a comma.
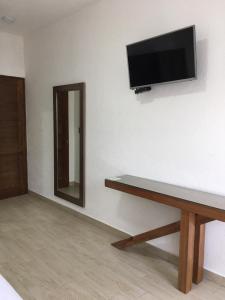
[
  {"x": 182, "y": 88},
  {"x": 143, "y": 215},
  {"x": 134, "y": 210}
]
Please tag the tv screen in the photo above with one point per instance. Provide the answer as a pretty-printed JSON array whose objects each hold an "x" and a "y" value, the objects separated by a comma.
[{"x": 165, "y": 58}]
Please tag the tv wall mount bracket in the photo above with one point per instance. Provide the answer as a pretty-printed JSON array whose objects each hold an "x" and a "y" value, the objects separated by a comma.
[{"x": 142, "y": 89}]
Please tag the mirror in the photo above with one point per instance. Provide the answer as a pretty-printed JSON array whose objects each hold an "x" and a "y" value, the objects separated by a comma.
[{"x": 69, "y": 142}]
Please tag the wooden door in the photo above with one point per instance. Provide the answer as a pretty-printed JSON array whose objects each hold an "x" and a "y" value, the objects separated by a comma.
[
  {"x": 63, "y": 139},
  {"x": 13, "y": 151}
]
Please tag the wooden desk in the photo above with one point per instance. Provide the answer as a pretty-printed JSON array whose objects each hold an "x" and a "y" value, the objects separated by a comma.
[{"x": 197, "y": 209}]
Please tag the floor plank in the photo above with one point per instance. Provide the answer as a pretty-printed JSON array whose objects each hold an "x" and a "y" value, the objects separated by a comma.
[{"x": 48, "y": 253}]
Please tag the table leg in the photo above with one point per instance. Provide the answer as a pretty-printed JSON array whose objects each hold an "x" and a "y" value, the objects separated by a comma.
[
  {"x": 186, "y": 255},
  {"x": 148, "y": 235},
  {"x": 199, "y": 251}
]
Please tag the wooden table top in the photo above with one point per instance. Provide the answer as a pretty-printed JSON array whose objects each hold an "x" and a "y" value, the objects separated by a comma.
[{"x": 178, "y": 196}]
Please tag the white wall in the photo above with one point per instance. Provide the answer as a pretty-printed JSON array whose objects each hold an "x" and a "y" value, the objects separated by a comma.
[
  {"x": 174, "y": 133},
  {"x": 77, "y": 136},
  {"x": 11, "y": 55},
  {"x": 74, "y": 136},
  {"x": 71, "y": 125}
]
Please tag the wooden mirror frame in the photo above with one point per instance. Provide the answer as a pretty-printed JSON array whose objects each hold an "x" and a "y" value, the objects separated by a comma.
[{"x": 81, "y": 88}]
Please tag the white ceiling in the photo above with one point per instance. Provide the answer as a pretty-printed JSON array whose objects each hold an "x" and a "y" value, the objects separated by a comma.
[{"x": 33, "y": 14}]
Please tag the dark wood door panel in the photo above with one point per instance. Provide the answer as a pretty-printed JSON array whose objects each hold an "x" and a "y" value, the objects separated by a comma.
[
  {"x": 63, "y": 140},
  {"x": 9, "y": 136},
  {"x": 9, "y": 171},
  {"x": 13, "y": 153}
]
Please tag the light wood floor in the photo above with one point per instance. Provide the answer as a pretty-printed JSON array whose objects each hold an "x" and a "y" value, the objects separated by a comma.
[
  {"x": 72, "y": 190},
  {"x": 48, "y": 253}
]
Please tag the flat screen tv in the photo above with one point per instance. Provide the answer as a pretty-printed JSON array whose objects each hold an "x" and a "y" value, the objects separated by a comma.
[{"x": 166, "y": 58}]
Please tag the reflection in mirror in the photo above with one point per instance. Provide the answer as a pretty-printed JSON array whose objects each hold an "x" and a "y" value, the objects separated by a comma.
[{"x": 69, "y": 143}]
